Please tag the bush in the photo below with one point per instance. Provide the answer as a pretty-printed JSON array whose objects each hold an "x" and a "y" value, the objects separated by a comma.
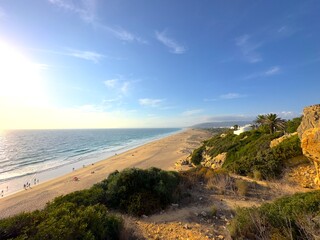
[
  {"x": 196, "y": 156},
  {"x": 87, "y": 197},
  {"x": 284, "y": 218},
  {"x": 293, "y": 124},
  {"x": 68, "y": 221},
  {"x": 132, "y": 189}
]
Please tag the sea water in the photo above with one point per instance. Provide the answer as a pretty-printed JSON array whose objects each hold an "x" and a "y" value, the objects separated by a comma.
[{"x": 26, "y": 155}]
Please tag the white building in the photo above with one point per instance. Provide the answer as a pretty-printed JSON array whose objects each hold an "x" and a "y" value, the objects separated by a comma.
[{"x": 245, "y": 128}]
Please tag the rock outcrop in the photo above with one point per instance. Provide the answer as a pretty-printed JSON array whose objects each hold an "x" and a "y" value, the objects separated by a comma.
[
  {"x": 215, "y": 162},
  {"x": 277, "y": 141},
  {"x": 309, "y": 134}
]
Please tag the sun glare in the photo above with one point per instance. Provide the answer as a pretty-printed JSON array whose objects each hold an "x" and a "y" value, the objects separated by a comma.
[
  {"x": 21, "y": 86},
  {"x": 20, "y": 80}
]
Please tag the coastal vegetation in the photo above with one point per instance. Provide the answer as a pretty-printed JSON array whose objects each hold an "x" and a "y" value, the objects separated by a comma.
[
  {"x": 291, "y": 217},
  {"x": 250, "y": 153},
  {"x": 84, "y": 214}
]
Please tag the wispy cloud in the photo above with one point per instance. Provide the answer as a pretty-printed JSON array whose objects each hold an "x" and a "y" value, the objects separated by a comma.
[
  {"x": 86, "y": 10},
  {"x": 267, "y": 73},
  {"x": 120, "y": 86},
  {"x": 272, "y": 71},
  {"x": 232, "y": 96},
  {"x": 149, "y": 102},
  {"x": 248, "y": 48},
  {"x": 86, "y": 55},
  {"x": 226, "y": 96},
  {"x": 227, "y": 118},
  {"x": 192, "y": 112},
  {"x": 124, "y": 34},
  {"x": 111, "y": 83},
  {"x": 289, "y": 114},
  {"x": 173, "y": 46}
]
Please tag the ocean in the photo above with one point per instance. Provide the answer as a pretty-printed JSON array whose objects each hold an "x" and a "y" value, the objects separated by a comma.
[{"x": 46, "y": 154}]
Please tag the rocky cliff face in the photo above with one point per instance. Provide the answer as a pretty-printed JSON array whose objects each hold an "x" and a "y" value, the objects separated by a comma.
[{"x": 309, "y": 134}]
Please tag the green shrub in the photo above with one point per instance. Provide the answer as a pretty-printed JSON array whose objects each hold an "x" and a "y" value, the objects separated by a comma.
[
  {"x": 87, "y": 197},
  {"x": 68, "y": 221},
  {"x": 132, "y": 188},
  {"x": 21, "y": 225},
  {"x": 284, "y": 218},
  {"x": 293, "y": 124},
  {"x": 143, "y": 203},
  {"x": 196, "y": 156}
]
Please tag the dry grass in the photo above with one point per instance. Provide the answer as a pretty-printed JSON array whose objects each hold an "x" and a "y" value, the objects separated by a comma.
[{"x": 242, "y": 187}]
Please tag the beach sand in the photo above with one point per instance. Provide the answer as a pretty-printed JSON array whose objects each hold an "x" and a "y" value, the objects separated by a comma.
[{"x": 161, "y": 153}]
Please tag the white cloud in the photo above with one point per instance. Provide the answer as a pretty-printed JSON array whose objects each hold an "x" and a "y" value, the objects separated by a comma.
[
  {"x": 86, "y": 55},
  {"x": 120, "y": 86},
  {"x": 267, "y": 73},
  {"x": 123, "y": 34},
  {"x": 228, "y": 118},
  {"x": 192, "y": 112},
  {"x": 85, "y": 9},
  {"x": 248, "y": 48},
  {"x": 232, "y": 96},
  {"x": 148, "y": 102},
  {"x": 289, "y": 114},
  {"x": 111, "y": 83},
  {"x": 173, "y": 46},
  {"x": 272, "y": 71}
]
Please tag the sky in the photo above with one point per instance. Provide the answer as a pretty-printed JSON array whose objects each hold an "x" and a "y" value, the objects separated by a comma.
[{"x": 160, "y": 63}]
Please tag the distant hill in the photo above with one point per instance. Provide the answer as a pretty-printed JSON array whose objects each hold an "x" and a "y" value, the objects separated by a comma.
[{"x": 221, "y": 124}]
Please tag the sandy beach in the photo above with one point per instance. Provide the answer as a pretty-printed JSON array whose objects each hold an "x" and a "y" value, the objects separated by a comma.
[{"x": 161, "y": 153}]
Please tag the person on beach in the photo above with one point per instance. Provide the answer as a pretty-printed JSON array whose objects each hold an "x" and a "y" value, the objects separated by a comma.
[
  {"x": 24, "y": 186},
  {"x": 2, "y": 193}
]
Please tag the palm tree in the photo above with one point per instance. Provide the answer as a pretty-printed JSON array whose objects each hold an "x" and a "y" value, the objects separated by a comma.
[
  {"x": 272, "y": 121},
  {"x": 260, "y": 119}
]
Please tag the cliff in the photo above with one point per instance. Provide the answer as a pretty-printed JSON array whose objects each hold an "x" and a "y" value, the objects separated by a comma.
[{"x": 309, "y": 134}]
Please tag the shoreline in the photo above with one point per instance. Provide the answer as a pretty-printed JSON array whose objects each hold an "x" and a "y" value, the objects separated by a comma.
[
  {"x": 16, "y": 185},
  {"x": 161, "y": 153}
]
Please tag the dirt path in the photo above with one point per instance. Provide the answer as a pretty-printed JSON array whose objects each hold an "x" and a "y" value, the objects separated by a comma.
[{"x": 207, "y": 213}]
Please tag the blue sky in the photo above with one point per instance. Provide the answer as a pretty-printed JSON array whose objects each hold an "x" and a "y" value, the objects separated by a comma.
[{"x": 156, "y": 63}]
